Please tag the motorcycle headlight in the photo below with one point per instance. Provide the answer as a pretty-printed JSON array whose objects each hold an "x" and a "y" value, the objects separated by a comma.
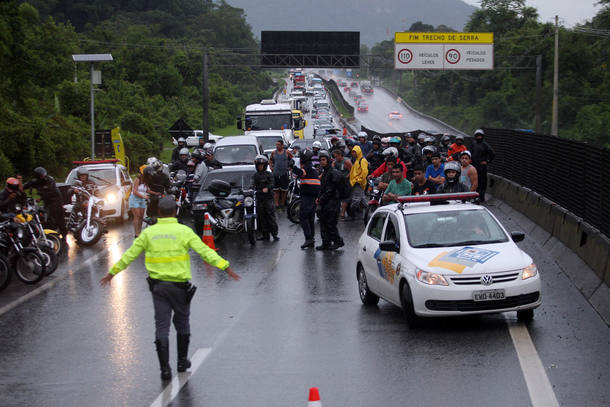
[
  {"x": 19, "y": 233},
  {"x": 100, "y": 203},
  {"x": 529, "y": 272},
  {"x": 430, "y": 278},
  {"x": 111, "y": 197},
  {"x": 200, "y": 207},
  {"x": 248, "y": 201}
]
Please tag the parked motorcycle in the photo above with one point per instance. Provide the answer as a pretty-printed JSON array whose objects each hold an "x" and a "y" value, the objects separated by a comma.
[
  {"x": 83, "y": 216},
  {"x": 293, "y": 200},
  {"x": 232, "y": 212},
  {"x": 179, "y": 183},
  {"x": 27, "y": 263},
  {"x": 375, "y": 196},
  {"x": 35, "y": 237}
]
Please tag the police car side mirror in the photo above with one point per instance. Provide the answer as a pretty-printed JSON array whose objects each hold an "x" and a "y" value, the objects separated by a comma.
[
  {"x": 389, "y": 246},
  {"x": 517, "y": 236}
]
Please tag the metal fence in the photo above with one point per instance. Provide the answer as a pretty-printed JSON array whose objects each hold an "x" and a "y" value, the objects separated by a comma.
[{"x": 573, "y": 174}]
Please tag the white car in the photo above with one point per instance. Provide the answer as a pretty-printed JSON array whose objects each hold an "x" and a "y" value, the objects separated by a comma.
[
  {"x": 395, "y": 115},
  {"x": 434, "y": 256},
  {"x": 113, "y": 185}
]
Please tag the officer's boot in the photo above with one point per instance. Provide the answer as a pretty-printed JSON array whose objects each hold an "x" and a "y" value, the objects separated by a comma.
[
  {"x": 163, "y": 354},
  {"x": 183, "y": 350}
]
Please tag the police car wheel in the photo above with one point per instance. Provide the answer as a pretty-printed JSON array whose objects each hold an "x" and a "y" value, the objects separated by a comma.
[
  {"x": 525, "y": 315},
  {"x": 406, "y": 300},
  {"x": 366, "y": 296}
]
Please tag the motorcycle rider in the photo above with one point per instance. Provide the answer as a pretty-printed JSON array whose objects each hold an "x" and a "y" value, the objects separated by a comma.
[
  {"x": 53, "y": 201},
  {"x": 181, "y": 163},
  {"x": 414, "y": 149},
  {"x": 310, "y": 189},
  {"x": 435, "y": 171},
  {"x": 422, "y": 185},
  {"x": 375, "y": 156},
  {"x": 456, "y": 148},
  {"x": 444, "y": 146},
  {"x": 82, "y": 173},
  {"x": 364, "y": 143},
  {"x": 158, "y": 185},
  {"x": 397, "y": 187},
  {"x": 210, "y": 161},
  {"x": 427, "y": 155},
  {"x": 11, "y": 196},
  {"x": 176, "y": 151},
  {"x": 389, "y": 153},
  {"x": 328, "y": 204},
  {"x": 262, "y": 183},
  {"x": 452, "y": 184},
  {"x": 482, "y": 156},
  {"x": 315, "y": 160}
]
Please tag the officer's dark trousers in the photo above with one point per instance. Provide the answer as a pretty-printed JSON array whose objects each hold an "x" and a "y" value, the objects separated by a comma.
[
  {"x": 328, "y": 222},
  {"x": 168, "y": 298},
  {"x": 152, "y": 209},
  {"x": 482, "y": 179},
  {"x": 265, "y": 211},
  {"x": 307, "y": 216},
  {"x": 56, "y": 212}
]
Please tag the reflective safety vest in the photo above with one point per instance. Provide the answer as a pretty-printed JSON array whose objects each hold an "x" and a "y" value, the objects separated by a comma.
[
  {"x": 167, "y": 245},
  {"x": 310, "y": 181}
]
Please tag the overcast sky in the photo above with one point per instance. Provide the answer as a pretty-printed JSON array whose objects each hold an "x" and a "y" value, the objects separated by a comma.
[{"x": 570, "y": 12}]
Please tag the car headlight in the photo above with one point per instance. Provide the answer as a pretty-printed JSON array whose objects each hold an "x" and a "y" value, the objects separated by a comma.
[
  {"x": 111, "y": 198},
  {"x": 200, "y": 207},
  {"x": 248, "y": 201},
  {"x": 430, "y": 278},
  {"x": 529, "y": 271}
]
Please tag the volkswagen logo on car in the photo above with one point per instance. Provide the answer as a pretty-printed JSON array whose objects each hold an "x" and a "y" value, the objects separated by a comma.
[{"x": 487, "y": 280}]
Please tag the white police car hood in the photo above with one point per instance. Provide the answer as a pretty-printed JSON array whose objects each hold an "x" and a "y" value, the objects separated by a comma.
[{"x": 475, "y": 259}]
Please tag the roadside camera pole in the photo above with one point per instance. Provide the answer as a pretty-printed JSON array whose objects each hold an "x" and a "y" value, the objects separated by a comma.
[
  {"x": 555, "y": 80},
  {"x": 206, "y": 96}
]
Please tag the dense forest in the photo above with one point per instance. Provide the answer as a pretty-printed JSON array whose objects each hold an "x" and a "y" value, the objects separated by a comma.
[
  {"x": 506, "y": 96},
  {"x": 155, "y": 78}
]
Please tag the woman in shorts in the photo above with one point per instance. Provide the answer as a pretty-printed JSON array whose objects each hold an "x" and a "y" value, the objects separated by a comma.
[{"x": 137, "y": 202}]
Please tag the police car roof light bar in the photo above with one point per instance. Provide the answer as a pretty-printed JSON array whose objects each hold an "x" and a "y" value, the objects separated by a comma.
[
  {"x": 460, "y": 196},
  {"x": 96, "y": 162}
]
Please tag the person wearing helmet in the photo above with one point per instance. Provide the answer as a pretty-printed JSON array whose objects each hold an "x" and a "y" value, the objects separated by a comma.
[
  {"x": 426, "y": 153},
  {"x": 350, "y": 144},
  {"x": 279, "y": 164},
  {"x": 183, "y": 159},
  {"x": 431, "y": 141},
  {"x": 158, "y": 185},
  {"x": 421, "y": 140},
  {"x": 328, "y": 204},
  {"x": 310, "y": 189},
  {"x": 262, "y": 183},
  {"x": 343, "y": 165},
  {"x": 358, "y": 180},
  {"x": 414, "y": 149},
  {"x": 456, "y": 148},
  {"x": 384, "y": 180},
  {"x": 452, "y": 179},
  {"x": 443, "y": 149},
  {"x": 385, "y": 143},
  {"x": 176, "y": 151},
  {"x": 482, "y": 156},
  {"x": 468, "y": 176},
  {"x": 316, "y": 147},
  {"x": 364, "y": 142},
  {"x": 10, "y": 197},
  {"x": 435, "y": 171},
  {"x": 201, "y": 170},
  {"x": 49, "y": 193},
  {"x": 82, "y": 174},
  {"x": 137, "y": 201},
  {"x": 390, "y": 153},
  {"x": 201, "y": 145},
  {"x": 375, "y": 156}
]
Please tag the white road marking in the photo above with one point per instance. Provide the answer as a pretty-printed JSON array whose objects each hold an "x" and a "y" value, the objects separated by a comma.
[
  {"x": 180, "y": 379},
  {"x": 538, "y": 384},
  {"x": 56, "y": 279}
]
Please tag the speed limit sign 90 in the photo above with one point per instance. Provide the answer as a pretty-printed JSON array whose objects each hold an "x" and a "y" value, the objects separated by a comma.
[
  {"x": 452, "y": 56},
  {"x": 405, "y": 56}
]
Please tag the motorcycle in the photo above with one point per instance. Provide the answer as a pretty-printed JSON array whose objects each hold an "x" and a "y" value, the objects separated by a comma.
[
  {"x": 27, "y": 263},
  {"x": 375, "y": 196},
  {"x": 179, "y": 189},
  {"x": 293, "y": 200},
  {"x": 83, "y": 216},
  {"x": 232, "y": 212},
  {"x": 35, "y": 237}
]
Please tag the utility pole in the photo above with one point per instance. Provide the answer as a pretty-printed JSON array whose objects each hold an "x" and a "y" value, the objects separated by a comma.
[
  {"x": 91, "y": 91},
  {"x": 206, "y": 96},
  {"x": 538, "y": 94},
  {"x": 555, "y": 80}
]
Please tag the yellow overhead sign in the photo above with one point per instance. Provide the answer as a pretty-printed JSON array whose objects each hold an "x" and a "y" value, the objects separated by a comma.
[{"x": 444, "y": 38}]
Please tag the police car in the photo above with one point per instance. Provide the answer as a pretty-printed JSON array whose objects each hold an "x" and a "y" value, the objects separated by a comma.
[{"x": 439, "y": 255}]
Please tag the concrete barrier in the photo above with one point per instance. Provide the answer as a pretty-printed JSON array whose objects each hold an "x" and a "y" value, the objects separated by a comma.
[{"x": 578, "y": 248}]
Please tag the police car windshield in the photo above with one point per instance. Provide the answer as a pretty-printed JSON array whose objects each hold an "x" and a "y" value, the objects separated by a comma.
[{"x": 453, "y": 228}]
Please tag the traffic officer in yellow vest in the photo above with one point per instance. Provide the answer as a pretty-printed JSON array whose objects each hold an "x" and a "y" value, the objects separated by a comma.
[{"x": 167, "y": 245}]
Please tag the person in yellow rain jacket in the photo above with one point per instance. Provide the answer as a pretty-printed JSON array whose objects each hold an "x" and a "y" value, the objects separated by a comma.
[
  {"x": 168, "y": 263},
  {"x": 357, "y": 179}
]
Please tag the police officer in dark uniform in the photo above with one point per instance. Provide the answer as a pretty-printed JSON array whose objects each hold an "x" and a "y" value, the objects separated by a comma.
[
  {"x": 329, "y": 204},
  {"x": 310, "y": 189},
  {"x": 167, "y": 245},
  {"x": 47, "y": 189},
  {"x": 262, "y": 183}
]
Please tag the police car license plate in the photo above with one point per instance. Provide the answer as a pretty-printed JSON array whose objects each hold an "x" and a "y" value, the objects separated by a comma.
[{"x": 488, "y": 295}]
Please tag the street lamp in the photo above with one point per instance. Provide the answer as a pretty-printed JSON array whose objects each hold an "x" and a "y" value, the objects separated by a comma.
[{"x": 96, "y": 78}]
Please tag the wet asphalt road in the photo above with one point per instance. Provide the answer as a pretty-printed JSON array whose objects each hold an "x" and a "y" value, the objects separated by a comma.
[{"x": 294, "y": 321}]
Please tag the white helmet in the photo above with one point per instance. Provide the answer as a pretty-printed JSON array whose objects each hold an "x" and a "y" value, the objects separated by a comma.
[
  {"x": 385, "y": 140},
  {"x": 390, "y": 152},
  {"x": 316, "y": 144},
  {"x": 208, "y": 146},
  {"x": 150, "y": 161},
  {"x": 184, "y": 151},
  {"x": 363, "y": 134}
]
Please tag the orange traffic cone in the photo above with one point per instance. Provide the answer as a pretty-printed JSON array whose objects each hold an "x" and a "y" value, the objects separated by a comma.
[
  {"x": 208, "y": 237},
  {"x": 314, "y": 398}
]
